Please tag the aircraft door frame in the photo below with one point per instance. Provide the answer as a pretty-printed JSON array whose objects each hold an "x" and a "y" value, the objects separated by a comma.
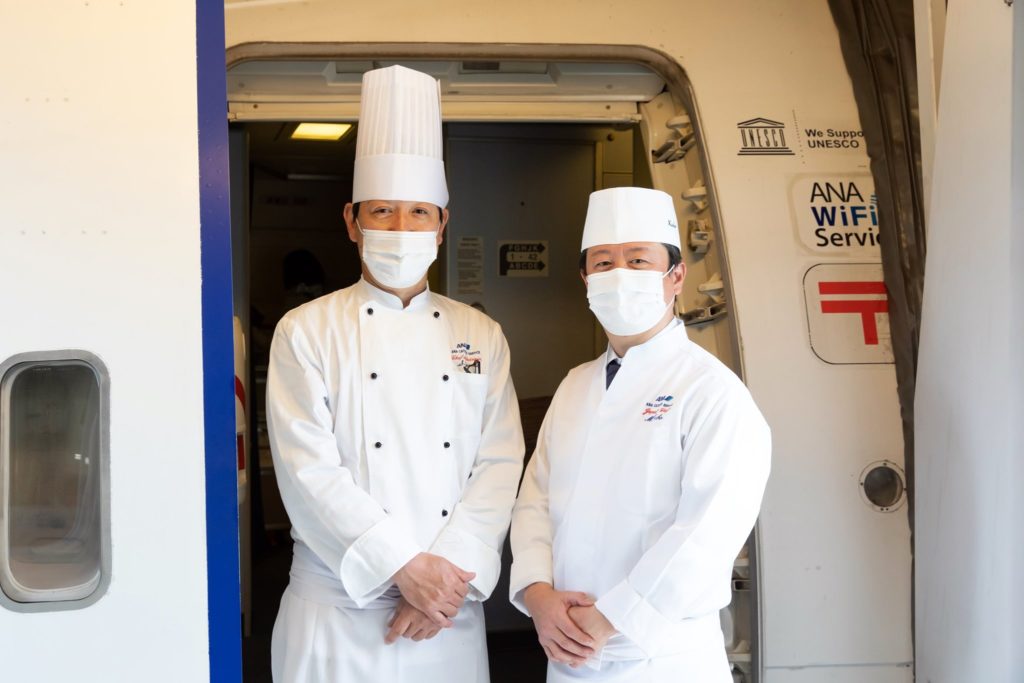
[
  {"x": 681, "y": 94},
  {"x": 222, "y": 533}
]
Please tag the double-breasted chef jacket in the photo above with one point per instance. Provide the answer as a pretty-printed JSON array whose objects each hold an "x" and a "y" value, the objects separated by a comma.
[
  {"x": 641, "y": 495},
  {"x": 394, "y": 431}
]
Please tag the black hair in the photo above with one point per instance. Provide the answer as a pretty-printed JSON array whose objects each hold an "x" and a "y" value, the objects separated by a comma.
[{"x": 675, "y": 257}]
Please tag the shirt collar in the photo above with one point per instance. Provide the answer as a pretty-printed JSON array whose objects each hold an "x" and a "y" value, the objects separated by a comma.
[
  {"x": 648, "y": 346},
  {"x": 373, "y": 293}
]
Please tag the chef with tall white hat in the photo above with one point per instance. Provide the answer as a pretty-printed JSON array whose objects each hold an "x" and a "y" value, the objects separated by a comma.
[
  {"x": 647, "y": 477},
  {"x": 395, "y": 432}
]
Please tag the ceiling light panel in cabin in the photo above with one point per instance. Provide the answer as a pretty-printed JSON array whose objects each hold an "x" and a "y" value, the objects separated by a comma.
[{"x": 321, "y": 131}]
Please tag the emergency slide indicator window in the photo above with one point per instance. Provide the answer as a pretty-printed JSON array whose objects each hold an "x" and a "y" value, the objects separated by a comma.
[{"x": 54, "y": 527}]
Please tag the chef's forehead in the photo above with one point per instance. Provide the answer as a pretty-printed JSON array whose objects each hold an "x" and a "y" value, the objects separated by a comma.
[
  {"x": 625, "y": 247},
  {"x": 372, "y": 203},
  {"x": 412, "y": 202}
]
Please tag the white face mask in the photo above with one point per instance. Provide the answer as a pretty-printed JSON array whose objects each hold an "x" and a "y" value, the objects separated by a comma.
[
  {"x": 398, "y": 258},
  {"x": 626, "y": 301}
]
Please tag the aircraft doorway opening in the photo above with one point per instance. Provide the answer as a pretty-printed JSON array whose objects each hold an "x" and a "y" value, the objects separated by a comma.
[{"x": 519, "y": 197}]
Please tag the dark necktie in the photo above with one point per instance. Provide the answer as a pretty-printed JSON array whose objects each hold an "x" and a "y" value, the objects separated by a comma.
[{"x": 609, "y": 372}]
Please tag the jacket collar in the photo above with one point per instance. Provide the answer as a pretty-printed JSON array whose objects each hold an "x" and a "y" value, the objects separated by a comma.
[
  {"x": 673, "y": 336},
  {"x": 370, "y": 293}
]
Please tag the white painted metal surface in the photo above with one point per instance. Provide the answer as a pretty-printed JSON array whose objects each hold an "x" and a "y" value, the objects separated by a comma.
[
  {"x": 929, "y": 33},
  {"x": 1016, "y": 370},
  {"x": 968, "y": 409},
  {"x": 100, "y": 239}
]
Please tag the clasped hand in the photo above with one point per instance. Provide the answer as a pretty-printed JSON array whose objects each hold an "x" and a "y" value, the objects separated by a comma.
[
  {"x": 569, "y": 627},
  {"x": 434, "y": 588},
  {"x": 409, "y": 622}
]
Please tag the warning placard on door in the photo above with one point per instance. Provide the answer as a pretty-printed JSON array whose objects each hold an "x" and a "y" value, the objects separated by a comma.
[
  {"x": 523, "y": 259},
  {"x": 469, "y": 265},
  {"x": 848, "y": 313}
]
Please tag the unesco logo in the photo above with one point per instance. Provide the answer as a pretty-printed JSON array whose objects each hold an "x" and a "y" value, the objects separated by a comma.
[{"x": 763, "y": 137}]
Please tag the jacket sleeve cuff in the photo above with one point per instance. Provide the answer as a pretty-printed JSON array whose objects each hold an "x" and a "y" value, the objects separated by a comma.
[
  {"x": 635, "y": 618},
  {"x": 528, "y": 568},
  {"x": 469, "y": 553},
  {"x": 369, "y": 563}
]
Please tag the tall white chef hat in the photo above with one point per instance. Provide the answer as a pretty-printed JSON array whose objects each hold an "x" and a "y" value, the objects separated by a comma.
[
  {"x": 630, "y": 214},
  {"x": 398, "y": 143}
]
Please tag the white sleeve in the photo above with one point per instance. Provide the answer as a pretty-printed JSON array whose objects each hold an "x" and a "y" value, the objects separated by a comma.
[
  {"x": 687, "y": 572},
  {"x": 531, "y": 524},
  {"x": 475, "y": 532},
  {"x": 339, "y": 521}
]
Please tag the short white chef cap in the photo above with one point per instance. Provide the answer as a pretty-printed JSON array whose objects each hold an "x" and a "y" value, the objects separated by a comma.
[
  {"x": 630, "y": 214},
  {"x": 398, "y": 143}
]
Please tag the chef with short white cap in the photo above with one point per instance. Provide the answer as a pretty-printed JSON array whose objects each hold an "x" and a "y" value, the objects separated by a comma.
[
  {"x": 395, "y": 432},
  {"x": 647, "y": 478}
]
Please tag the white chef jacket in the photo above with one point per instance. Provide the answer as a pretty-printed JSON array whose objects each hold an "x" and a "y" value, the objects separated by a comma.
[
  {"x": 394, "y": 431},
  {"x": 642, "y": 495}
]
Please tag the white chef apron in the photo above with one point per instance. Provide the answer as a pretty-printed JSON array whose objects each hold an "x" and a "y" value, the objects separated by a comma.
[{"x": 318, "y": 642}]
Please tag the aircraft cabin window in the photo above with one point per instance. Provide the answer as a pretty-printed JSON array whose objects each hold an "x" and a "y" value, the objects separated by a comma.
[{"x": 54, "y": 526}]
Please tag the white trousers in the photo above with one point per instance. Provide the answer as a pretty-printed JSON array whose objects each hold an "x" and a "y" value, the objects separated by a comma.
[{"x": 322, "y": 643}]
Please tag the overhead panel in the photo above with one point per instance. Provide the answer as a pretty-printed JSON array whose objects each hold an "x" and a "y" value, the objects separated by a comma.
[{"x": 480, "y": 90}]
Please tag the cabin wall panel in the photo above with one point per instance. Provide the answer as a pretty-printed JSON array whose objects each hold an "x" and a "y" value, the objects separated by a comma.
[
  {"x": 101, "y": 235},
  {"x": 514, "y": 201},
  {"x": 842, "y": 674},
  {"x": 968, "y": 465},
  {"x": 1017, "y": 316}
]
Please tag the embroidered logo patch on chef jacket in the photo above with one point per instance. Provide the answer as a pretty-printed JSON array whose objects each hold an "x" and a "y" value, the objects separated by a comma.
[
  {"x": 656, "y": 409},
  {"x": 466, "y": 359}
]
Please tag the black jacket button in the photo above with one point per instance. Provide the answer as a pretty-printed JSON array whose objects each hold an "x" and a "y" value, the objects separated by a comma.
[
  {"x": 447, "y": 444},
  {"x": 373, "y": 375},
  {"x": 437, "y": 314},
  {"x": 377, "y": 445},
  {"x": 445, "y": 378},
  {"x": 369, "y": 311},
  {"x": 444, "y": 513}
]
